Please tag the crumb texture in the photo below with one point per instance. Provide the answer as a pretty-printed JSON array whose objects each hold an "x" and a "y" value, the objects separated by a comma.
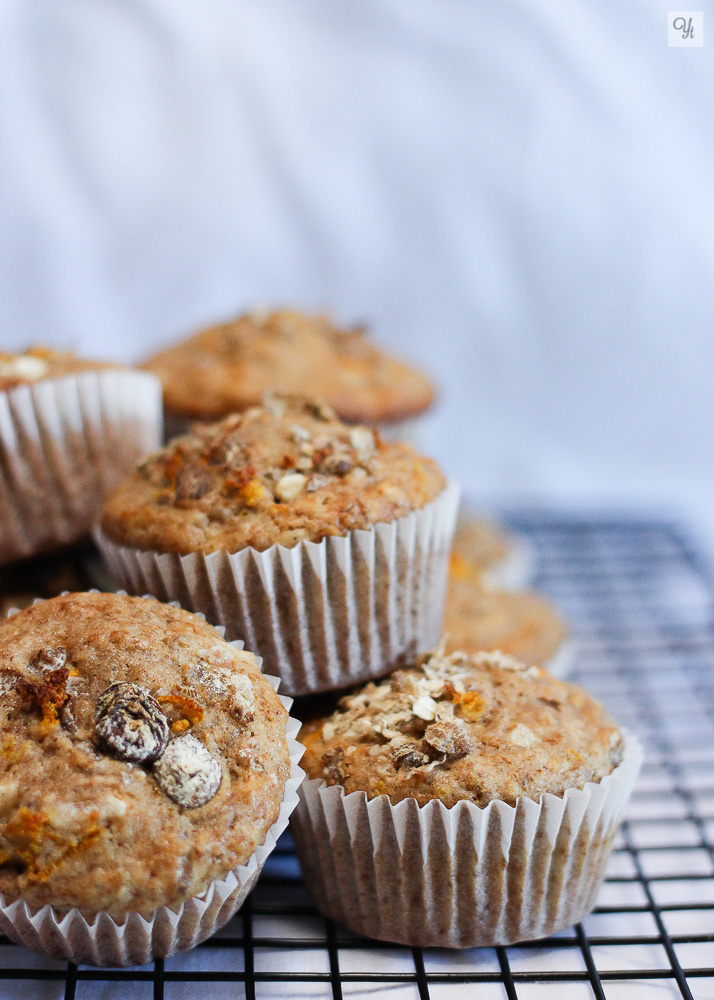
[
  {"x": 477, "y": 618},
  {"x": 463, "y": 727},
  {"x": 276, "y": 474},
  {"x": 231, "y": 366},
  {"x": 89, "y": 814}
]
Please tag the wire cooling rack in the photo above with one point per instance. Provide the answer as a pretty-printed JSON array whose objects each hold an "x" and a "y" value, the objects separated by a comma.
[{"x": 642, "y": 607}]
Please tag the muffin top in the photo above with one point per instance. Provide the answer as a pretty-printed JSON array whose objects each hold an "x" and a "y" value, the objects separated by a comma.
[
  {"x": 280, "y": 473},
  {"x": 452, "y": 727},
  {"x": 479, "y": 542},
  {"x": 231, "y": 366},
  {"x": 477, "y": 618},
  {"x": 135, "y": 742},
  {"x": 39, "y": 363}
]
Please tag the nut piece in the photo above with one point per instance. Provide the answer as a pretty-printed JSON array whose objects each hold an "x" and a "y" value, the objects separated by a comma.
[
  {"x": 129, "y": 721},
  {"x": 187, "y": 773},
  {"x": 50, "y": 659},
  {"x": 407, "y": 755},
  {"x": 449, "y": 738},
  {"x": 290, "y": 486},
  {"x": 192, "y": 483}
]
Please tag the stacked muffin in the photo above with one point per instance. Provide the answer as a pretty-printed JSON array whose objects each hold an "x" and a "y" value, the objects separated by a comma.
[{"x": 460, "y": 796}]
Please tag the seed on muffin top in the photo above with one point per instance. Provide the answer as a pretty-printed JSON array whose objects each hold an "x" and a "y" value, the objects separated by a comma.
[
  {"x": 231, "y": 366},
  {"x": 477, "y": 618},
  {"x": 134, "y": 743},
  {"x": 463, "y": 727},
  {"x": 276, "y": 474},
  {"x": 39, "y": 363}
]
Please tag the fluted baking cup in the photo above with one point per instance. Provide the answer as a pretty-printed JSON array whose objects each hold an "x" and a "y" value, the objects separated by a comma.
[
  {"x": 563, "y": 660},
  {"x": 99, "y": 939},
  {"x": 515, "y": 571},
  {"x": 65, "y": 443},
  {"x": 461, "y": 877},
  {"x": 322, "y": 615}
]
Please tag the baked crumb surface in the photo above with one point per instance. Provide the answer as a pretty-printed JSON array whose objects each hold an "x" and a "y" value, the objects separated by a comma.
[
  {"x": 463, "y": 727},
  {"x": 276, "y": 474},
  {"x": 95, "y": 691},
  {"x": 477, "y": 618},
  {"x": 231, "y": 366}
]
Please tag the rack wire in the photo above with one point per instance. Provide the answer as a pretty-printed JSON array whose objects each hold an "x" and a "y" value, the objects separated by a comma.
[{"x": 642, "y": 605}]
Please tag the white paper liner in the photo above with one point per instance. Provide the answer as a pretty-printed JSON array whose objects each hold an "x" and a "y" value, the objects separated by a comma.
[
  {"x": 414, "y": 430},
  {"x": 563, "y": 660},
  {"x": 517, "y": 568},
  {"x": 462, "y": 877},
  {"x": 65, "y": 443},
  {"x": 322, "y": 615},
  {"x": 141, "y": 938}
]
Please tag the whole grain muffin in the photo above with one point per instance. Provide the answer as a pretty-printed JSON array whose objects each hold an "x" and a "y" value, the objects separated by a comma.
[
  {"x": 142, "y": 756},
  {"x": 477, "y": 618},
  {"x": 457, "y": 727},
  {"x": 39, "y": 363},
  {"x": 231, "y": 366},
  {"x": 278, "y": 474}
]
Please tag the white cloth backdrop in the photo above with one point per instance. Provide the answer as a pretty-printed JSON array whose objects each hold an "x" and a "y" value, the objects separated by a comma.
[{"x": 518, "y": 194}]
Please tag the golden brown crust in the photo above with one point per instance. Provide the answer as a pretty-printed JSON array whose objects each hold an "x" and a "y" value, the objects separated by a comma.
[
  {"x": 276, "y": 474},
  {"x": 477, "y": 618},
  {"x": 231, "y": 366},
  {"x": 460, "y": 727},
  {"x": 37, "y": 364},
  {"x": 78, "y": 825}
]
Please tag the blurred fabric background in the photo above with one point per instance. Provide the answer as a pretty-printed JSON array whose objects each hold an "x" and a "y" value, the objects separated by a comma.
[{"x": 519, "y": 195}]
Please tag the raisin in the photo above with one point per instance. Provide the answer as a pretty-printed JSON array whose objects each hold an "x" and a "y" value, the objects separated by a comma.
[
  {"x": 187, "y": 772},
  {"x": 130, "y": 722}
]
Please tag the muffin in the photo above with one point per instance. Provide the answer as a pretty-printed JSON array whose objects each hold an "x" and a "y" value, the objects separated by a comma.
[
  {"x": 524, "y": 625},
  {"x": 144, "y": 762},
  {"x": 504, "y": 560},
  {"x": 230, "y": 367},
  {"x": 467, "y": 800},
  {"x": 70, "y": 431},
  {"x": 321, "y": 546}
]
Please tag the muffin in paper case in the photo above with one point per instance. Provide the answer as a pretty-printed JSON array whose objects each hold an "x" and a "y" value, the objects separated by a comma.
[
  {"x": 464, "y": 876},
  {"x": 65, "y": 443},
  {"x": 322, "y": 615},
  {"x": 99, "y": 939}
]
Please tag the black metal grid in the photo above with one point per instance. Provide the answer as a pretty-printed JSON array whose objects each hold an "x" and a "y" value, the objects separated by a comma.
[{"x": 642, "y": 606}]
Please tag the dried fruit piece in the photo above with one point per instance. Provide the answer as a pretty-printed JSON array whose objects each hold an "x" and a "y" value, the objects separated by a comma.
[
  {"x": 448, "y": 738},
  {"x": 187, "y": 772},
  {"x": 129, "y": 721},
  {"x": 190, "y": 710},
  {"x": 407, "y": 755},
  {"x": 49, "y": 695}
]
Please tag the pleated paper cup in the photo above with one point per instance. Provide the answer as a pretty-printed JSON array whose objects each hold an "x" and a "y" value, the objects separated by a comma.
[
  {"x": 99, "y": 939},
  {"x": 322, "y": 615},
  {"x": 65, "y": 443},
  {"x": 516, "y": 570},
  {"x": 462, "y": 877},
  {"x": 414, "y": 430},
  {"x": 563, "y": 660}
]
